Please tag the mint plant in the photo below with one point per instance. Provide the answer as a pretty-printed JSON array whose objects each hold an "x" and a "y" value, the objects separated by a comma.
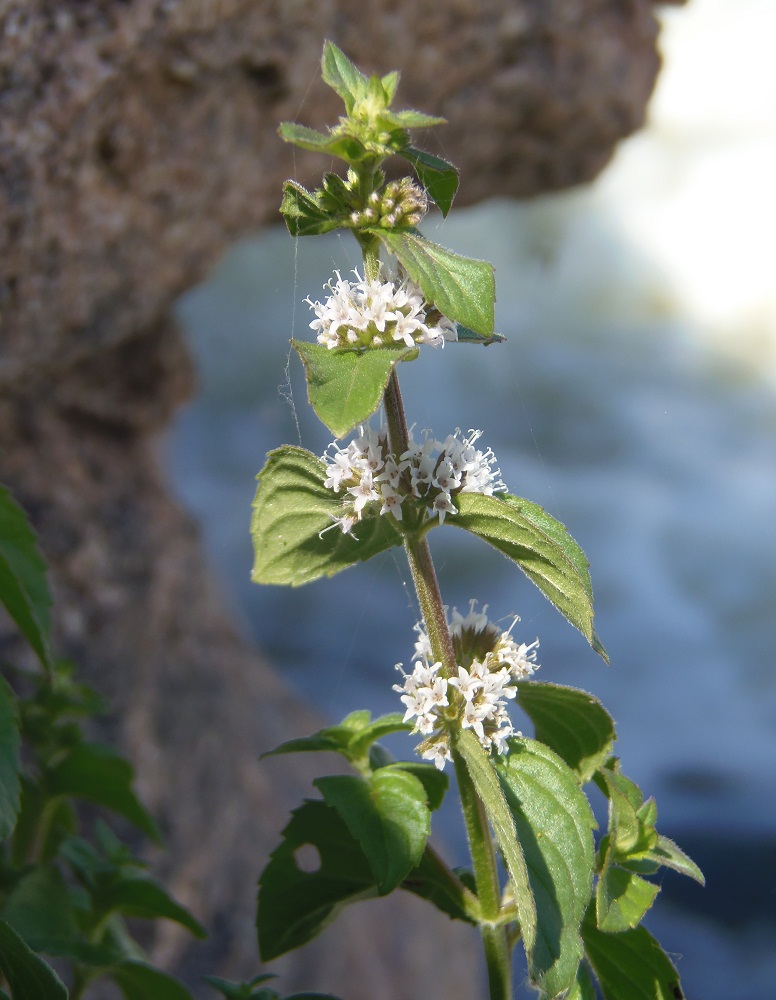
[{"x": 573, "y": 904}]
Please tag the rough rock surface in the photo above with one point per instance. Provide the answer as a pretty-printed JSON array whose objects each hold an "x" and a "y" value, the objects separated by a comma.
[{"x": 137, "y": 139}]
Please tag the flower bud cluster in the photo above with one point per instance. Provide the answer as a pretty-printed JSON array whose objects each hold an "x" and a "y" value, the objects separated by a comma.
[
  {"x": 488, "y": 663},
  {"x": 399, "y": 203},
  {"x": 368, "y": 314},
  {"x": 430, "y": 472}
]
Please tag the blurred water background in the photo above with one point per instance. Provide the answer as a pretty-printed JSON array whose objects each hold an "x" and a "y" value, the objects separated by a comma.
[{"x": 635, "y": 399}]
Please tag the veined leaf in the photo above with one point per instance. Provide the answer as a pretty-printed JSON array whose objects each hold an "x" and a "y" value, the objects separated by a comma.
[
  {"x": 23, "y": 587},
  {"x": 462, "y": 288},
  {"x": 572, "y": 722},
  {"x": 554, "y": 825},
  {"x": 292, "y": 510},
  {"x": 622, "y": 899},
  {"x": 296, "y": 905},
  {"x": 343, "y": 76},
  {"x": 352, "y": 738},
  {"x": 630, "y": 965},
  {"x": 540, "y": 546},
  {"x": 388, "y": 816},
  {"x": 437, "y": 176},
  {"x": 302, "y": 212},
  {"x": 346, "y": 147},
  {"x": 346, "y": 387}
]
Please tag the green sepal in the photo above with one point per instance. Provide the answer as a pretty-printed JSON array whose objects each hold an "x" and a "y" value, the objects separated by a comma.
[
  {"x": 622, "y": 898},
  {"x": 437, "y": 176},
  {"x": 28, "y": 976},
  {"x": 295, "y": 905},
  {"x": 303, "y": 212},
  {"x": 540, "y": 546},
  {"x": 571, "y": 722},
  {"x": 10, "y": 787},
  {"x": 346, "y": 387},
  {"x": 23, "y": 587},
  {"x": 292, "y": 510},
  {"x": 462, "y": 288},
  {"x": 554, "y": 824},
  {"x": 387, "y": 814},
  {"x": 630, "y": 965},
  {"x": 97, "y": 773}
]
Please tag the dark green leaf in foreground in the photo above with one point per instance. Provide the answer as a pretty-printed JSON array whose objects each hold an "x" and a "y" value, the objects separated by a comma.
[
  {"x": 142, "y": 897},
  {"x": 554, "y": 825},
  {"x": 9, "y": 761},
  {"x": 540, "y": 546},
  {"x": 572, "y": 722},
  {"x": 291, "y": 509},
  {"x": 97, "y": 773},
  {"x": 462, "y": 288},
  {"x": 630, "y": 965},
  {"x": 28, "y": 977},
  {"x": 622, "y": 899},
  {"x": 435, "y": 782},
  {"x": 296, "y": 904},
  {"x": 583, "y": 988},
  {"x": 346, "y": 387},
  {"x": 437, "y": 176},
  {"x": 432, "y": 880},
  {"x": 388, "y": 816},
  {"x": 23, "y": 587},
  {"x": 138, "y": 981}
]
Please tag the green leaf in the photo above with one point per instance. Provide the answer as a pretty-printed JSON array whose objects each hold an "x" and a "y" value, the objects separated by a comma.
[
  {"x": 29, "y": 977},
  {"x": 460, "y": 287},
  {"x": 352, "y": 738},
  {"x": 295, "y": 905},
  {"x": 388, "y": 816},
  {"x": 303, "y": 213},
  {"x": 342, "y": 76},
  {"x": 142, "y": 897},
  {"x": 466, "y": 336},
  {"x": 346, "y": 147},
  {"x": 583, "y": 988},
  {"x": 97, "y": 773},
  {"x": 346, "y": 387},
  {"x": 433, "y": 880},
  {"x": 627, "y": 832},
  {"x": 622, "y": 899},
  {"x": 669, "y": 854},
  {"x": 23, "y": 587},
  {"x": 437, "y": 176},
  {"x": 243, "y": 991},
  {"x": 630, "y": 965},
  {"x": 572, "y": 722},
  {"x": 555, "y": 826},
  {"x": 139, "y": 981},
  {"x": 291, "y": 509},
  {"x": 489, "y": 789},
  {"x": 435, "y": 782},
  {"x": 10, "y": 788},
  {"x": 540, "y": 546},
  {"x": 40, "y": 909}
]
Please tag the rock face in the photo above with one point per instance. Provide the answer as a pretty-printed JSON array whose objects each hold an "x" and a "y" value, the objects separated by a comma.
[{"x": 137, "y": 140}]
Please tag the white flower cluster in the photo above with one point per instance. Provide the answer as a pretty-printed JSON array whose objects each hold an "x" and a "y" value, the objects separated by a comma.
[
  {"x": 367, "y": 314},
  {"x": 430, "y": 471},
  {"x": 489, "y": 662}
]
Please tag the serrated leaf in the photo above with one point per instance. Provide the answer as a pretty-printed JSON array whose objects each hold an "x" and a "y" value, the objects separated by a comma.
[
  {"x": 437, "y": 176},
  {"x": 388, "y": 816},
  {"x": 346, "y": 387},
  {"x": 435, "y": 782},
  {"x": 572, "y": 722},
  {"x": 295, "y": 905},
  {"x": 138, "y": 981},
  {"x": 28, "y": 976},
  {"x": 97, "y": 773},
  {"x": 622, "y": 899},
  {"x": 630, "y": 965},
  {"x": 540, "y": 547},
  {"x": 462, "y": 288},
  {"x": 10, "y": 788},
  {"x": 486, "y": 781},
  {"x": 23, "y": 586},
  {"x": 554, "y": 825},
  {"x": 342, "y": 75},
  {"x": 302, "y": 212},
  {"x": 292, "y": 510},
  {"x": 142, "y": 897}
]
